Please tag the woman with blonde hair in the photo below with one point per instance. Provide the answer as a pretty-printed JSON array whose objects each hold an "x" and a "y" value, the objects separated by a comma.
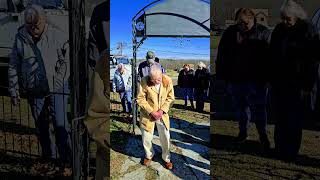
[
  {"x": 294, "y": 46},
  {"x": 201, "y": 81}
]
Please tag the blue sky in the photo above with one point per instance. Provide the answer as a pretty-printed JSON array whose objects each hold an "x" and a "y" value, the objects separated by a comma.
[{"x": 121, "y": 14}]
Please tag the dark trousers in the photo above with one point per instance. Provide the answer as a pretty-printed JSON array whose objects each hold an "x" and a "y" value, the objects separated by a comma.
[
  {"x": 188, "y": 94},
  {"x": 200, "y": 95},
  {"x": 249, "y": 100},
  {"x": 126, "y": 101},
  {"x": 288, "y": 111},
  {"x": 54, "y": 106}
]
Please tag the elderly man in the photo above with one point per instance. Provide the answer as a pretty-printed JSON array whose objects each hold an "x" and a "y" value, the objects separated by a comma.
[
  {"x": 155, "y": 98},
  {"x": 122, "y": 83},
  {"x": 242, "y": 62},
  {"x": 39, "y": 70},
  {"x": 145, "y": 66}
]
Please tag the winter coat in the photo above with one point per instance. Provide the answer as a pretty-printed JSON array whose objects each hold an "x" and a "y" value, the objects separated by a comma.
[
  {"x": 243, "y": 60},
  {"x": 186, "y": 79}
]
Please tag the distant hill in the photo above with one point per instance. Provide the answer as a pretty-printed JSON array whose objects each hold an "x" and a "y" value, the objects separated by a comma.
[{"x": 174, "y": 64}]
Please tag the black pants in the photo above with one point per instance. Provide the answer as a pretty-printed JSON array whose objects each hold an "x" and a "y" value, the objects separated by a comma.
[
  {"x": 200, "y": 96},
  {"x": 288, "y": 111}
]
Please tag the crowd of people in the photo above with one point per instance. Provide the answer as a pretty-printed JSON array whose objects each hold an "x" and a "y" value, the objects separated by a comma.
[
  {"x": 282, "y": 64},
  {"x": 195, "y": 85}
]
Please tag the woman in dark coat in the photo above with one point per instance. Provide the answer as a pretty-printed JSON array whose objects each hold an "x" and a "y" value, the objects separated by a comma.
[
  {"x": 294, "y": 45},
  {"x": 201, "y": 81}
]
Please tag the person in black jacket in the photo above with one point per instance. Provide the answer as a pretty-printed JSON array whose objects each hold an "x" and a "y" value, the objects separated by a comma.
[
  {"x": 294, "y": 46},
  {"x": 185, "y": 81},
  {"x": 201, "y": 80},
  {"x": 242, "y": 62}
]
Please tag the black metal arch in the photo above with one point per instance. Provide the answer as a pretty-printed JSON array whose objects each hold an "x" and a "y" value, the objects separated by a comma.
[
  {"x": 183, "y": 17},
  {"x": 136, "y": 43}
]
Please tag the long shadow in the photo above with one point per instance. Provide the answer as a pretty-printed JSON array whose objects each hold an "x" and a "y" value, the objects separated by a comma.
[
  {"x": 136, "y": 150},
  {"x": 16, "y": 128},
  {"x": 226, "y": 143},
  {"x": 182, "y": 107},
  {"x": 126, "y": 120},
  {"x": 192, "y": 133},
  {"x": 114, "y": 102}
]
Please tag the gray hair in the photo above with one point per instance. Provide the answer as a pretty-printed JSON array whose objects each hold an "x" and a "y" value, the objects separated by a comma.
[
  {"x": 201, "y": 64},
  {"x": 33, "y": 14},
  {"x": 155, "y": 70},
  {"x": 291, "y": 8}
]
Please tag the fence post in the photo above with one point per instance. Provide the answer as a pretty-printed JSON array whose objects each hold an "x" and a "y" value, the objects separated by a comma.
[{"x": 78, "y": 84}]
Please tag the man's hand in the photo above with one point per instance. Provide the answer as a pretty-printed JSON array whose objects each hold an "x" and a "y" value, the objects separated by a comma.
[
  {"x": 15, "y": 100},
  {"x": 160, "y": 113},
  {"x": 156, "y": 115}
]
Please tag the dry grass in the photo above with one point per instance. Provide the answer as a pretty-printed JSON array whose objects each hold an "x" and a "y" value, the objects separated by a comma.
[{"x": 248, "y": 162}]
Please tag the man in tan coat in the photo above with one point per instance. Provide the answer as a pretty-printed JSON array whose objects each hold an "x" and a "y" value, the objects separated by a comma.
[{"x": 155, "y": 98}]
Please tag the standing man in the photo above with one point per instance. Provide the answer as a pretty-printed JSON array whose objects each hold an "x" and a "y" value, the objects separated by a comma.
[
  {"x": 122, "y": 83},
  {"x": 39, "y": 70},
  {"x": 155, "y": 98},
  {"x": 145, "y": 66},
  {"x": 242, "y": 63},
  {"x": 186, "y": 83}
]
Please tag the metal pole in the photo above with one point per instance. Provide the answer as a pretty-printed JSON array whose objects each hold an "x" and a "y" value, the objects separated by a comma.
[
  {"x": 134, "y": 76},
  {"x": 77, "y": 68}
]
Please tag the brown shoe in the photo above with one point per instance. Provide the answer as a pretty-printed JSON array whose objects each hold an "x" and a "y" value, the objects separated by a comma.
[
  {"x": 169, "y": 165},
  {"x": 147, "y": 161}
]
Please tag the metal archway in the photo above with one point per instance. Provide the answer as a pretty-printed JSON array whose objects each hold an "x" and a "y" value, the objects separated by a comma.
[{"x": 167, "y": 19}]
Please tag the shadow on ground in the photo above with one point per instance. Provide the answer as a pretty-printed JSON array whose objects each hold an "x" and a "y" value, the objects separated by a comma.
[
  {"x": 16, "y": 128},
  {"x": 226, "y": 143}
]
